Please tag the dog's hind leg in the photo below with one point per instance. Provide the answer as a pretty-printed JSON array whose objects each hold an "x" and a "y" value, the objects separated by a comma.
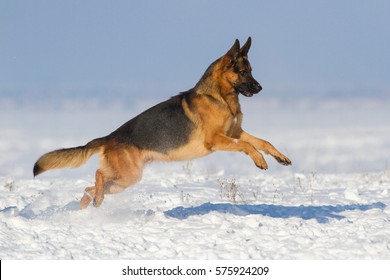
[
  {"x": 125, "y": 169},
  {"x": 128, "y": 174},
  {"x": 95, "y": 193},
  {"x": 99, "y": 188},
  {"x": 89, "y": 195},
  {"x": 119, "y": 169}
]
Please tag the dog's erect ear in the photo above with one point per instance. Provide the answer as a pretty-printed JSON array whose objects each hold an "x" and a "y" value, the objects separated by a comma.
[
  {"x": 234, "y": 51},
  {"x": 245, "y": 48}
]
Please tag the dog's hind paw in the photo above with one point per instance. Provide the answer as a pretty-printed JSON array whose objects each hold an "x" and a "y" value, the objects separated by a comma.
[
  {"x": 98, "y": 200},
  {"x": 85, "y": 200}
]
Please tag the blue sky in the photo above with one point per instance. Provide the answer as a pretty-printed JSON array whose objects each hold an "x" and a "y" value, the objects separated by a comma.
[{"x": 158, "y": 48}]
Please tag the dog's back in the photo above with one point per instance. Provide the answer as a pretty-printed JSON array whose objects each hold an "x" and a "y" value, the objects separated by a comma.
[{"x": 161, "y": 128}]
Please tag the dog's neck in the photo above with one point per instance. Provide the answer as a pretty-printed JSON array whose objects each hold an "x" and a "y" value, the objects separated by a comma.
[{"x": 224, "y": 94}]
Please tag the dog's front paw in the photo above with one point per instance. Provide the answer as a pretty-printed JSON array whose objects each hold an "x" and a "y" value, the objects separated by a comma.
[
  {"x": 263, "y": 166},
  {"x": 260, "y": 162},
  {"x": 282, "y": 159}
]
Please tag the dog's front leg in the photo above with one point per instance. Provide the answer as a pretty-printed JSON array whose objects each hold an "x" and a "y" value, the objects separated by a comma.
[
  {"x": 220, "y": 142},
  {"x": 266, "y": 147}
]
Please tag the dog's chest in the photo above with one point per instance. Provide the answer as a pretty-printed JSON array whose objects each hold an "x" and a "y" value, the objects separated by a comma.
[{"x": 232, "y": 125}]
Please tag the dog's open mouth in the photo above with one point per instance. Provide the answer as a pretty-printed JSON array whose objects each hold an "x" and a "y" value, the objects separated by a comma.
[
  {"x": 247, "y": 93},
  {"x": 249, "y": 90}
]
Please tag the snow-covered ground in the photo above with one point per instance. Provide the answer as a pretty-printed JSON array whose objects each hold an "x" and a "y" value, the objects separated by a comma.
[{"x": 332, "y": 203}]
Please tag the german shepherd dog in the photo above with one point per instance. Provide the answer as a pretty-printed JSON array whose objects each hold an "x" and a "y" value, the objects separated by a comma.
[{"x": 193, "y": 124}]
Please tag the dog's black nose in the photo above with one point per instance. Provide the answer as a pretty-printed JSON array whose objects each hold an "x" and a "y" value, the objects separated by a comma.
[{"x": 256, "y": 87}]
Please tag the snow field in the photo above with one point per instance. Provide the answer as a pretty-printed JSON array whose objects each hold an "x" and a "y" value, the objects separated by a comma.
[{"x": 331, "y": 204}]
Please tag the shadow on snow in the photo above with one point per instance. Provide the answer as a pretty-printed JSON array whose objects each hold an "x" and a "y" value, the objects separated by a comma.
[{"x": 320, "y": 213}]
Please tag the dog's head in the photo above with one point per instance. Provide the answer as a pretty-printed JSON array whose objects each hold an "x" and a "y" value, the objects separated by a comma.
[{"x": 238, "y": 71}]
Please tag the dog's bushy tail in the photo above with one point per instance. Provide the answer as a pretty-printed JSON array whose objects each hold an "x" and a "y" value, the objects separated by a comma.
[{"x": 67, "y": 158}]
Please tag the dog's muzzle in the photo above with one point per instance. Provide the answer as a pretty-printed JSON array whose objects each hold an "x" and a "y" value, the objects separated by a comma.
[{"x": 249, "y": 89}]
